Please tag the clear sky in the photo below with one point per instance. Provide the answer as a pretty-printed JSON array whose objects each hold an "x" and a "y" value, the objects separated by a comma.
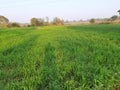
[{"x": 22, "y": 10}]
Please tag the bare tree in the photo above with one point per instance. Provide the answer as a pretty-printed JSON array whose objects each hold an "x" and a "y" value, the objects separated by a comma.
[
  {"x": 47, "y": 19},
  {"x": 119, "y": 13}
]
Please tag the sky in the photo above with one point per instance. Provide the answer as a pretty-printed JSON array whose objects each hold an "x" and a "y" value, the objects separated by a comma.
[{"x": 23, "y": 10}]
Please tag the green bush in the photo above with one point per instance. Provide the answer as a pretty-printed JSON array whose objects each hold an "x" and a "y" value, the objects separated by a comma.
[
  {"x": 92, "y": 20},
  {"x": 13, "y": 25}
]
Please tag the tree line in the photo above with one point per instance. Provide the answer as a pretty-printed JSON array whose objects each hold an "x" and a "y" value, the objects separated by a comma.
[
  {"x": 4, "y": 22},
  {"x": 33, "y": 22},
  {"x": 45, "y": 22},
  {"x": 111, "y": 19}
]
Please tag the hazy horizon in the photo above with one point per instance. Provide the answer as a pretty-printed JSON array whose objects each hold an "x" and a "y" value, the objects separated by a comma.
[{"x": 22, "y": 11}]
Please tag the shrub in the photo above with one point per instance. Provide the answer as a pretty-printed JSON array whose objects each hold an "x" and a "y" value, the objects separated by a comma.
[
  {"x": 92, "y": 21},
  {"x": 13, "y": 25}
]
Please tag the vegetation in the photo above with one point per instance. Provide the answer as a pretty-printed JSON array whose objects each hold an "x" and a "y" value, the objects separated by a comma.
[
  {"x": 119, "y": 11},
  {"x": 92, "y": 20},
  {"x": 13, "y": 25},
  {"x": 60, "y": 58},
  {"x": 47, "y": 19},
  {"x": 57, "y": 21},
  {"x": 113, "y": 18},
  {"x": 34, "y": 22},
  {"x": 3, "y": 20},
  {"x": 42, "y": 22}
]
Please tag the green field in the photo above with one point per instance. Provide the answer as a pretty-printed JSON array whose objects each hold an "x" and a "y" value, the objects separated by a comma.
[{"x": 83, "y": 57}]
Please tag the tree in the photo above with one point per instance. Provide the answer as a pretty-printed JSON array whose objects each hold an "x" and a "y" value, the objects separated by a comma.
[
  {"x": 113, "y": 18},
  {"x": 37, "y": 22},
  {"x": 3, "y": 20},
  {"x": 47, "y": 19},
  {"x": 41, "y": 22},
  {"x": 34, "y": 22},
  {"x": 58, "y": 21},
  {"x": 92, "y": 20},
  {"x": 119, "y": 11}
]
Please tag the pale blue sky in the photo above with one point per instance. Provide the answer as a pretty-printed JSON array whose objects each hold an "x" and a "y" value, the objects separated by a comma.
[{"x": 23, "y": 10}]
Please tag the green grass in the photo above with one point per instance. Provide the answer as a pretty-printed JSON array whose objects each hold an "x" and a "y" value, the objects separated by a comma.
[{"x": 60, "y": 58}]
